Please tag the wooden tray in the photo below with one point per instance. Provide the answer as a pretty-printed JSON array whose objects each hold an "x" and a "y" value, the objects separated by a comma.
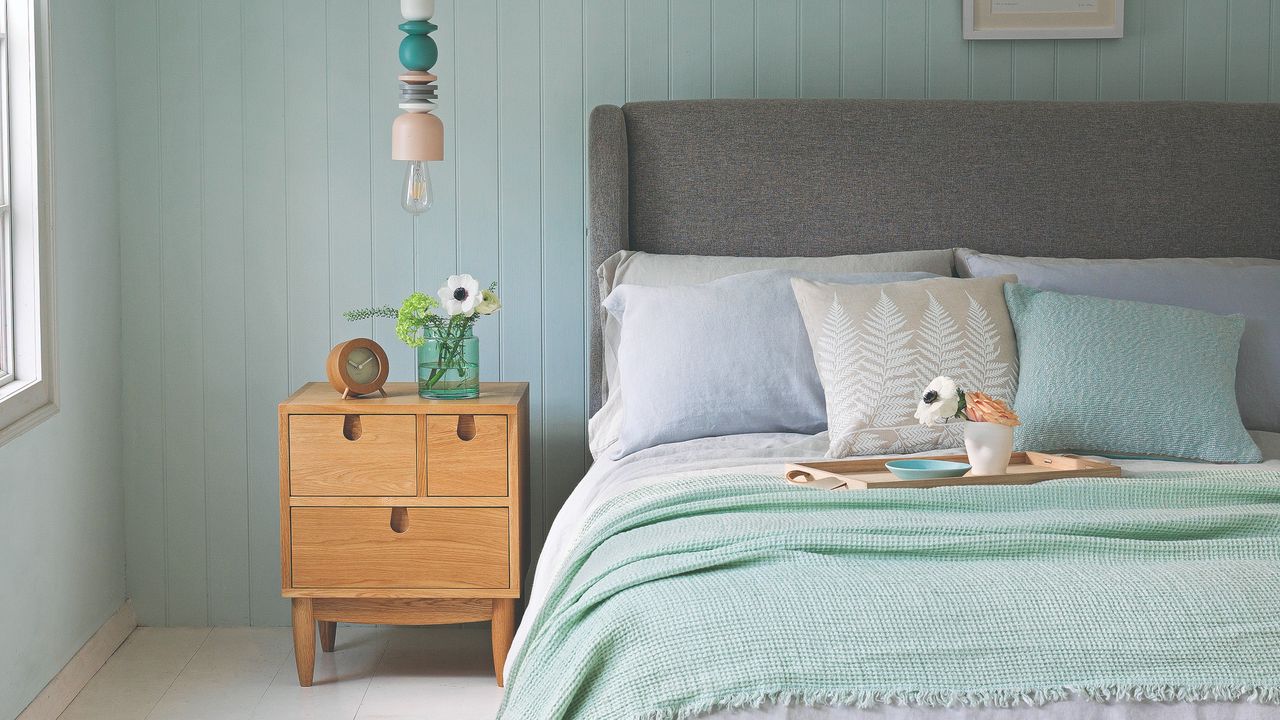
[{"x": 1025, "y": 468}]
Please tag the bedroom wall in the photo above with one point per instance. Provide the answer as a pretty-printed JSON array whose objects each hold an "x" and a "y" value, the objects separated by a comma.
[
  {"x": 257, "y": 203},
  {"x": 61, "y": 493}
]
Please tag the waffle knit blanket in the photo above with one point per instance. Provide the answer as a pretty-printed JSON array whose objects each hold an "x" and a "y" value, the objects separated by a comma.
[{"x": 737, "y": 591}]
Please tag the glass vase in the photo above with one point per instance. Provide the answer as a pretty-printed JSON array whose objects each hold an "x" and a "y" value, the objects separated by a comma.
[{"x": 449, "y": 366}]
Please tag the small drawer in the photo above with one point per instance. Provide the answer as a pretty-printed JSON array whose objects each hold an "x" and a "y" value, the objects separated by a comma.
[
  {"x": 357, "y": 547},
  {"x": 467, "y": 455},
  {"x": 361, "y": 455}
]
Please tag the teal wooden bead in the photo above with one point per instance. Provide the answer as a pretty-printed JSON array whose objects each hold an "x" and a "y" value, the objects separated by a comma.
[
  {"x": 418, "y": 52},
  {"x": 418, "y": 27}
]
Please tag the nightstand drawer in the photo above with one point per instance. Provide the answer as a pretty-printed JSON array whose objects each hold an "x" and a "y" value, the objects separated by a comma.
[
  {"x": 467, "y": 456},
  {"x": 361, "y": 455},
  {"x": 354, "y": 547}
]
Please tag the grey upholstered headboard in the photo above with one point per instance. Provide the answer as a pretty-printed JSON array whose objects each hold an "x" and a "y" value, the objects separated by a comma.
[{"x": 830, "y": 177}]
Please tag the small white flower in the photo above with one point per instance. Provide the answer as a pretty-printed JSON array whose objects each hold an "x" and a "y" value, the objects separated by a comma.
[
  {"x": 460, "y": 295},
  {"x": 941, "y": 401},
  {"x": 489, "y": 303}
]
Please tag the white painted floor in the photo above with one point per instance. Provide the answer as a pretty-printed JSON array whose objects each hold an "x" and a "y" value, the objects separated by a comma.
[{"x": 374, "y": 673}]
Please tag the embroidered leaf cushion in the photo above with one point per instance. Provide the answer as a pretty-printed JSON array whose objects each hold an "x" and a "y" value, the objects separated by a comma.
[
  {"x": 1123, "y": 377},
  {"x": 877, "y": 346}
]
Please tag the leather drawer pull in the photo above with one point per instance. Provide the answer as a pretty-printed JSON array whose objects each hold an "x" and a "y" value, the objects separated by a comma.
[
  {"x": 399, "y": 520},
  {"x": 351, "y": 427},
  {"x": 466, "y": 427}
]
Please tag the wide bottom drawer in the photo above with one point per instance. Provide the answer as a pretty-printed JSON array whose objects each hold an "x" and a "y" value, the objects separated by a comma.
[{"x": 357, "y": 547}]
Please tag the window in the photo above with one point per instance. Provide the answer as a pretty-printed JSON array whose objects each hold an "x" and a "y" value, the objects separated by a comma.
[{"x": 27, "y": 379}]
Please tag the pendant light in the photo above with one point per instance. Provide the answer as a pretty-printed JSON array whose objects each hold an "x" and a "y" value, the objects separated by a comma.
[{"x": 417, "y": 135}]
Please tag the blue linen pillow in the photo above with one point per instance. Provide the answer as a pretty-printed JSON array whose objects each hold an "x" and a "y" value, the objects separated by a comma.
[
  {"x": 1116, "y": 376},
  {"x": 725, "y": 357}
]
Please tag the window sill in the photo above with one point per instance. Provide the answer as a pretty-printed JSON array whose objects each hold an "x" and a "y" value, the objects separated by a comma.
[{"x": 24, "y": 405}]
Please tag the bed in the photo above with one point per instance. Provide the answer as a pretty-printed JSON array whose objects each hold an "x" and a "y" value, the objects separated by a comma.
[{"x": 822, "y": 178}]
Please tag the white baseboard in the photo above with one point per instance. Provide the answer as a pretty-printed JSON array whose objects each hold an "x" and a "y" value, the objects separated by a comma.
[{"x": 63, "y": 688}]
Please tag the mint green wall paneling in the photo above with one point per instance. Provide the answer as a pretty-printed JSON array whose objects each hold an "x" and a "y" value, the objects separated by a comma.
[
  {"x": 648, "y": 50},
  {"x": 820, "y": 63},
  {"x": 348, "y": 206},
  {"x": 1033, "y": 69},
  {"x": 1248, "y": 45},
  {"x": 307, "y": 168},
  {"x": 1275, "y": 51},
  {"x": 435, "y": 234},
  {"x": 863, "y": 48},
  {"x": 564, "y": 263},
  {"x": 182, "y": 315},
  {"x": 777, "y": 41},
  {"x": 1163, "y": 63},
  {"x": 266, "y": 339},
  {"x": 223, "y": 264},
  {"x": 991, "y": 70},
  {"x": 948, "y": 53},
  {"x": 906, "y": 55},
  {"x": 476, "y": 130},
  {"x": 1076, "y": 70},
  {"x": 733, "y": 28},
  {"x": 520, "y": 216},
  {"x": 1120, "y": 60},
  {"x": 690, "y": 31},
  {"x": 1206, "y": 51},
  {"x": 142, "y": 347},
  {"x": 392, "y": 227}
]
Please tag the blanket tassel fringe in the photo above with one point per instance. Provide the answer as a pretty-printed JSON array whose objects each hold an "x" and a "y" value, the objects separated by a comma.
[{"x": 976, "y": 698}]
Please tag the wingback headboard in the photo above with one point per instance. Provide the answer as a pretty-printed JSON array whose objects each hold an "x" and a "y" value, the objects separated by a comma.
[{"x": 830, "y": 177}]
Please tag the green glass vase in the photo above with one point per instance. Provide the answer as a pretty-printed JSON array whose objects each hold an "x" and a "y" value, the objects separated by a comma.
[{"x": 449, "y": 366}]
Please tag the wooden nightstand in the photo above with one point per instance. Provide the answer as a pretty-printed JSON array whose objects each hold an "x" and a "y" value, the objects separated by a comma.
[{"x": 402, "y": 511}]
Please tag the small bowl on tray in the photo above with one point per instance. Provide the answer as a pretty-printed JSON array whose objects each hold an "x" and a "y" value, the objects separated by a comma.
[{"x": 921, "y": 469}]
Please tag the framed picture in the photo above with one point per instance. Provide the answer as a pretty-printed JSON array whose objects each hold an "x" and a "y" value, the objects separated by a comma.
[{"x": 1043, "y": 19}]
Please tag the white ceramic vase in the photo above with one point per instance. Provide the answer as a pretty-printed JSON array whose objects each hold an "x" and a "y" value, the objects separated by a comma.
[{"x": 989, "y": 446}]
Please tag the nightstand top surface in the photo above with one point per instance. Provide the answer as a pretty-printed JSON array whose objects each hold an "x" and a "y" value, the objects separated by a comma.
[{"x": 402, "y": 398}]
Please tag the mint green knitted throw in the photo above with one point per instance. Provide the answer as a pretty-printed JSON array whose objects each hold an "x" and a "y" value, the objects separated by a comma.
[{"x": 737, "y": 591}]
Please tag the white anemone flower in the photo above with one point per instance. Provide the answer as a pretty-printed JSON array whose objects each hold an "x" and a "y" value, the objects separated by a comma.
[
  {"x": 941, "y": 401},
  {"x": 460, "y": 295}
]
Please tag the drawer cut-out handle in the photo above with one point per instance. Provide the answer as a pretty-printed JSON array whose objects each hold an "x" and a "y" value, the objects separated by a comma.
[
  {"x": 466, "y": 427},
  {"x": 351, "y": 429},
  {"x": 399, "y": 520}
]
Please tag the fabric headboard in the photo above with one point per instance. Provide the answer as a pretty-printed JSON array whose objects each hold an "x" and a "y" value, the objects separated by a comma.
[{"x": 831, "y": 177}]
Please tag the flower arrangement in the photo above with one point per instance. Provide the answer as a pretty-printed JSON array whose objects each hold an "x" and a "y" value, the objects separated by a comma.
[
  {"x": 988, "y": 434},
  {"x": 448, "y": 354},
  {"x": 944, "y": 400}
]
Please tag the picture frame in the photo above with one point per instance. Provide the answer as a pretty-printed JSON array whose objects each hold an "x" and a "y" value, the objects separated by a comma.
[{"x": 1043, "y": 19}]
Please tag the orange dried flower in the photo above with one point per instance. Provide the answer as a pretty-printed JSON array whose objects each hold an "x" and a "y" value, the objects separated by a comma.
[{"x": 979, "y": 407}]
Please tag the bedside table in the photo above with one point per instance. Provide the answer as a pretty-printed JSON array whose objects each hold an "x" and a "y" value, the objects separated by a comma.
[{"x": 402, "y": 511}]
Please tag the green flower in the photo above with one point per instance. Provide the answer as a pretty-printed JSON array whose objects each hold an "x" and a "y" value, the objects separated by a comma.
[{"x": 415, "y": 314}]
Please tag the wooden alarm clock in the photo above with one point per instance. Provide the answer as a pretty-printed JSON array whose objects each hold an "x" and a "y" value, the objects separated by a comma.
[{"x": 357, "y": 367}]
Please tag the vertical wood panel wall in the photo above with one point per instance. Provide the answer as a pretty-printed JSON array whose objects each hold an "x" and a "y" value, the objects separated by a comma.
[{"x": 258, "y": 203}]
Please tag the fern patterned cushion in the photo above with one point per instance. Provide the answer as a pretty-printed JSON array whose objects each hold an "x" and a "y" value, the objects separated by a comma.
[
  {"x": 1118, "y": 377},
  {"x": 877, "y": 346}
]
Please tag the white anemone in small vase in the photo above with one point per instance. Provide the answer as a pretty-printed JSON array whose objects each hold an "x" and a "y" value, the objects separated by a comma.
[
  {"x": 460, "y": 295},
  {"x": 988, "y": 432}
]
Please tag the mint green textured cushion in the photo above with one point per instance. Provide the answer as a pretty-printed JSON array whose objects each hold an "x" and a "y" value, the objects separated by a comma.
[{"x": 1115, "y": 376}]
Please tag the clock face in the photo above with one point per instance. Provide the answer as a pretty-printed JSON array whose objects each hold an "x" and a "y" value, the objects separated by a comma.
[{"x": 362, "y": 366}]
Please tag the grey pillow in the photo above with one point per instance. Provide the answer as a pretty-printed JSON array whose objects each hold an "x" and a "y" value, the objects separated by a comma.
[
  {"x": 630, "y": 267},
  {"x": 725, "y": 357},
  {"x": 1223, "y": 286}
]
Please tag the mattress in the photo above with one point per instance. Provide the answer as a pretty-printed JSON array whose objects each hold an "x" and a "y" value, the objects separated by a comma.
[{"x": 766, "y": 453}]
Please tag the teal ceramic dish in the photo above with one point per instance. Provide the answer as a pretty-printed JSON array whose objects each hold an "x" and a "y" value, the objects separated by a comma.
[{"x": 926, "y": 469}]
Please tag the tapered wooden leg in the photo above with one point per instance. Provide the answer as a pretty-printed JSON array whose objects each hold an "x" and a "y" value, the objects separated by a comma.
[
  {"x": 504, "y": 631},
  {"x": 328, "y": 633},
  {"x": 304, "y": 640}
]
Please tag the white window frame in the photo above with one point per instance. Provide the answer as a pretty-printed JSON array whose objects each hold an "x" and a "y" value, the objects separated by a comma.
[{"x": 28, "y": 392}]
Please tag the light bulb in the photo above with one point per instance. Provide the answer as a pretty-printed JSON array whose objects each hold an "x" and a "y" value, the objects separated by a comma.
[{"x": 418, "y": 193}]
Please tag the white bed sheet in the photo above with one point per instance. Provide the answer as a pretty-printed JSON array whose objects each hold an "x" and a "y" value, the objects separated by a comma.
[{"x": 766, "y": 453}]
